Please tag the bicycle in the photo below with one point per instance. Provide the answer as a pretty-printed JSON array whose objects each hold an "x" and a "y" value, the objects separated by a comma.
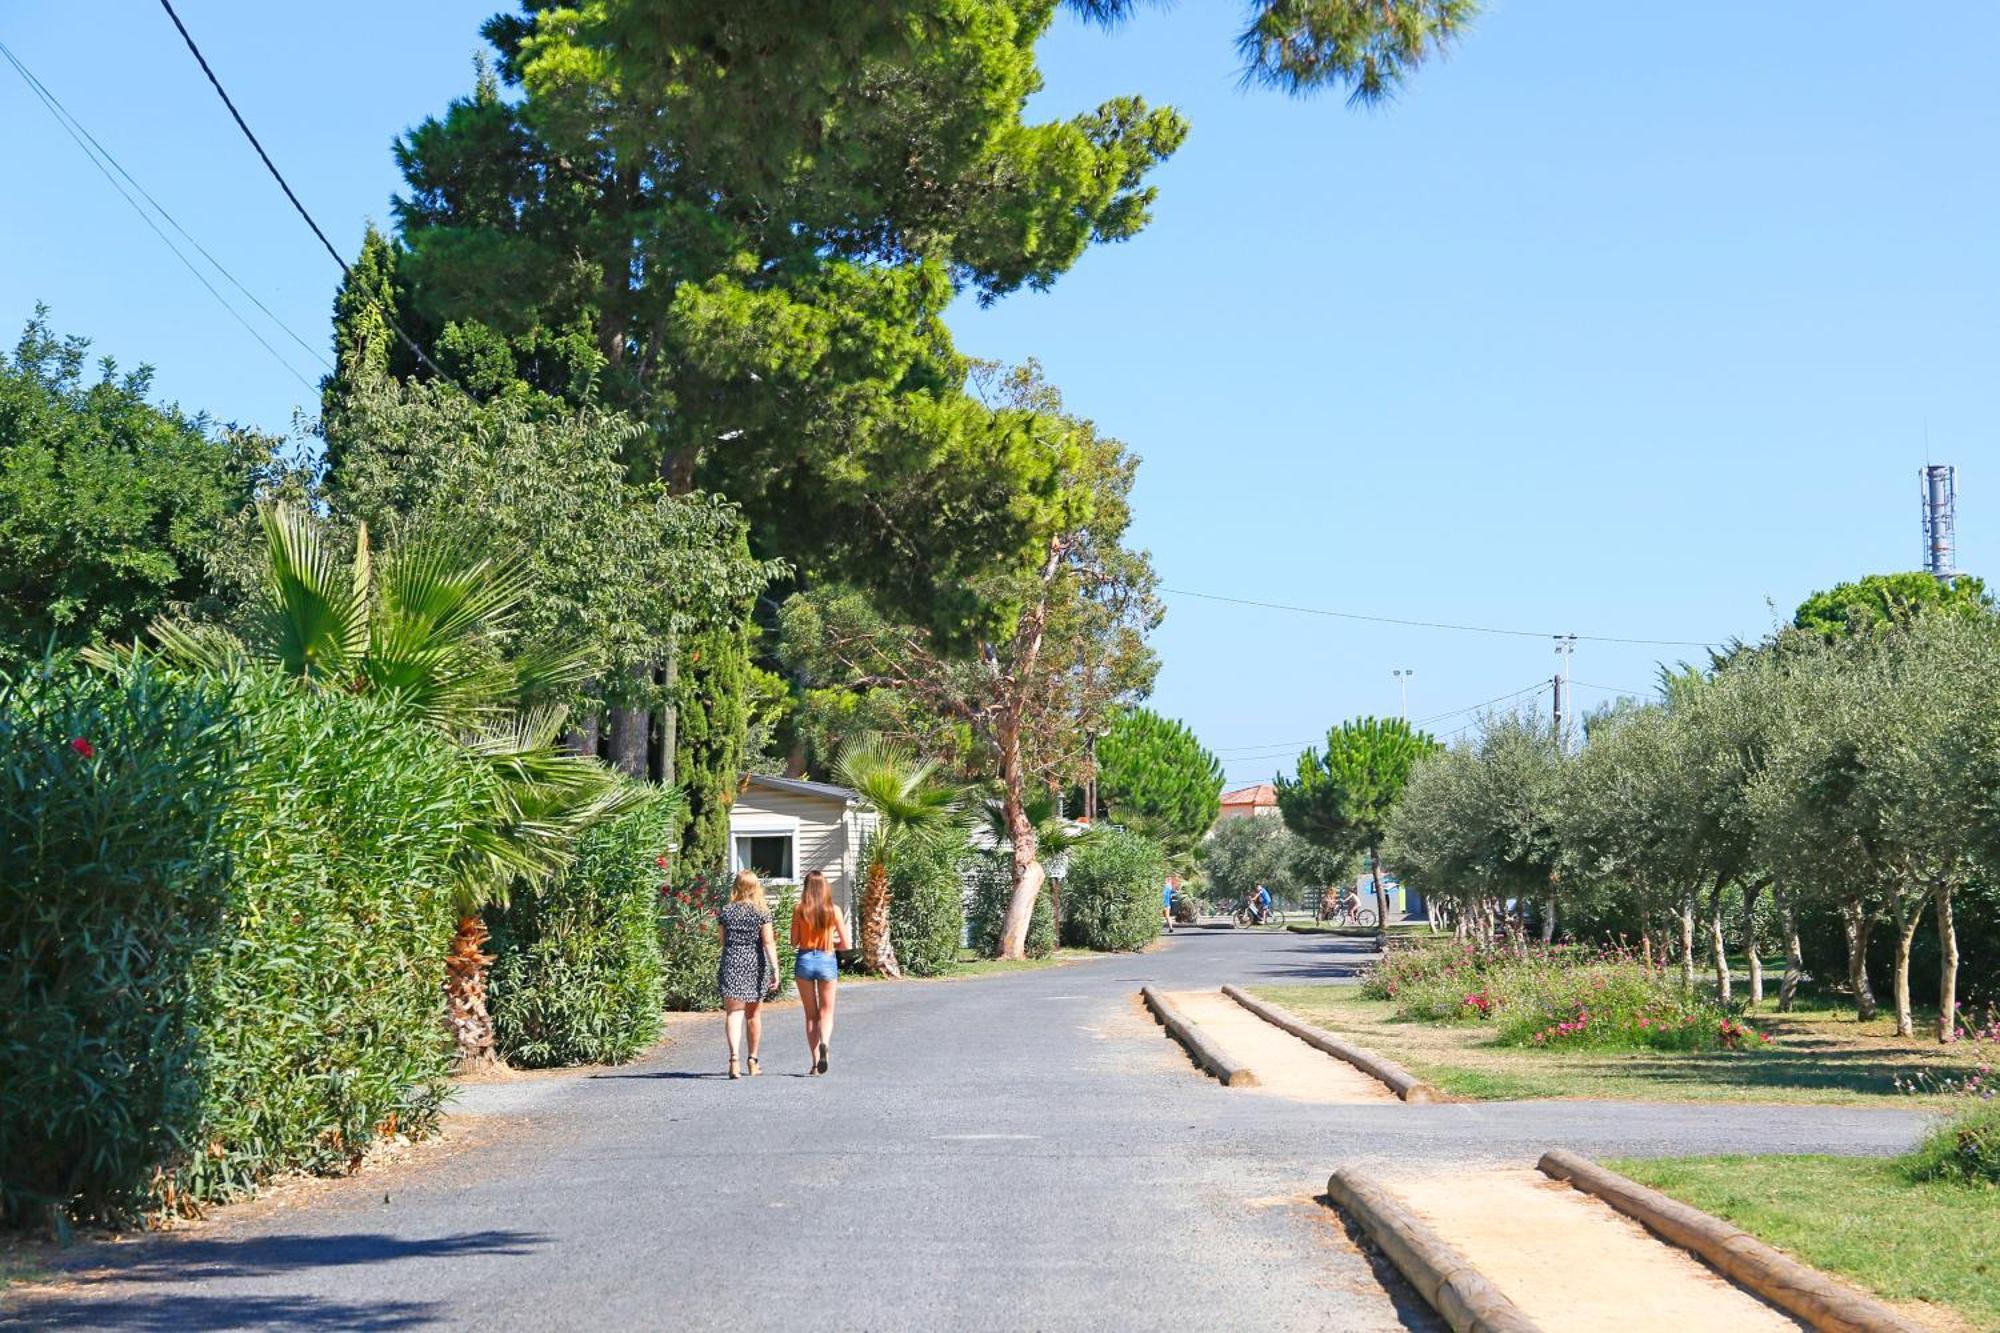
[
  {"x": 1273, "y": 916},
  {"x": 1346, "y": 912}
]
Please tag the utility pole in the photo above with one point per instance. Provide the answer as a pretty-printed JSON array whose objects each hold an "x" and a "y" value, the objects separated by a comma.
[
  {"x": 1402, "y": 675},
  {"x": 1565, "y": 645}
]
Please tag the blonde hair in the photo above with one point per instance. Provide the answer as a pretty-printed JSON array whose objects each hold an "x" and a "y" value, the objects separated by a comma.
[
  {"x": 749, "y": 889},
  {"x": 813, "y": 917}
]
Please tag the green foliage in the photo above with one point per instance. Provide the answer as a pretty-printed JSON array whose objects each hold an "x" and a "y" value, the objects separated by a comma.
[
  {"x": 927, "y": 908},
  {"x": 1342, "y": 798},
  {"x": 603, "y": 564},
  {"x": 1243, "y": 853},
  {"x": 112, "y": 510},
  {"x": 992, "y": 878},
  {"x": 1111, "y": 895},
  {"x": 1966, "y": 1148},
  {"x": 1877, "y": 603},
  {"x": 577, "y": 973},
  {"x": 225, "y": 959},
  {"x": 1155, "y": 776},
  {"x": 323, "y": 1000},
  {"x": 711, "y": 701},
  {"x": 691, "y": 939},
  {"x": 116, "y": 880}
]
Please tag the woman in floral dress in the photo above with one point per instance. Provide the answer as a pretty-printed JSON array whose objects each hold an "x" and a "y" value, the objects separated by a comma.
[{"x": 748, "y": 974}]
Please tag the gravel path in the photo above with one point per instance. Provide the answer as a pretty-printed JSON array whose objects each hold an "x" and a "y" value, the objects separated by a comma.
[{"x": 1017, "y": 1151}]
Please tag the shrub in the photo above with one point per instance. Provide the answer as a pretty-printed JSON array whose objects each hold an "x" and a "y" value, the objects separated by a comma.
[
  {"x": 115, "y": 879},
  {"x": 992, "y": 878},
  {"x": 927, "y": 907},
  {"x": 1562, "y": 995},
  {"x": 324, "y": 998},
  {"x": 1111, "y": 896},
  {"x": 1965, "y": 1148},
  {"x": 577, "y": 975},
  {"x": 224, "y": 934},
  {"x": 691, "y": 939}
]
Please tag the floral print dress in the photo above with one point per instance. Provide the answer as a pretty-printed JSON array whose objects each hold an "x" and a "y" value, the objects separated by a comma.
[{"x": 745, "y": 973}]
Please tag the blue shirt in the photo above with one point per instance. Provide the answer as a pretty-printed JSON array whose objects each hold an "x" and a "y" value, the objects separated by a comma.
[
  {"x": 1263, "y": 896},
  {"x": 1167, "y": 894}
]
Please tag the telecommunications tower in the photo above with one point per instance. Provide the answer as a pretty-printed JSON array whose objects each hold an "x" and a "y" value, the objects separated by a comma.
[{"x": 1940, "y": 500}]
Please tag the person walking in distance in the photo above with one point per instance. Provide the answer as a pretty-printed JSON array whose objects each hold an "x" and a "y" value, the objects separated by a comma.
[
  {"x": 1167, "y": 904},
  {"x": 818, "y": 929},
  {"x": 748, "y": 975}
]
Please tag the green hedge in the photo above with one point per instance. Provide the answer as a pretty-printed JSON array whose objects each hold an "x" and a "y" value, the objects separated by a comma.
[
  {"x": 325, "y": 993},
  {"x": 1111, "y": 896},
  {"x": 115, "y": 878},
  {"x": 576, "y": 977},
  {"x": 223, "y": 935},
  {"x": 992, "y": 878},
  {"x": 691, "y": 939},
  {"x": 927, "y": 907}
]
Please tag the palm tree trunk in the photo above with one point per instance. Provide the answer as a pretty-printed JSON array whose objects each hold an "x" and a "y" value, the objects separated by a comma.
[
  {"x": 878, "y": 951},
  {"x": 465, "y": 994}
]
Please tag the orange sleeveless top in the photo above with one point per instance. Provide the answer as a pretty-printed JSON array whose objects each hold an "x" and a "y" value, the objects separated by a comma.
[{"x": 805, "y": 937}]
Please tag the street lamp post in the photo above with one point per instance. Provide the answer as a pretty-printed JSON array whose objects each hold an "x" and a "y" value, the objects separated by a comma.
[{"x": 1402, "y": 675}]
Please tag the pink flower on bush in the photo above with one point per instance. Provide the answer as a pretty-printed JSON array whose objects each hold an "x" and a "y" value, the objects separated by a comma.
[{"x": 83, "y": 747}]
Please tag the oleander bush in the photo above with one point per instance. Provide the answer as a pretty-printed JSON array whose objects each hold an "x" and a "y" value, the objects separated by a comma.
[
  {"x": 691, "y": 938},
  {"x": 991, "y": 876},
  {"x": 927, "y": 906},
  {"x": 227, "y": 913},
  {"x": 324, "y": 995},
  {"x": 1111, "y": 895},
  {"x": 115, "y": 878},
  {"x": 577, "y": 975}
]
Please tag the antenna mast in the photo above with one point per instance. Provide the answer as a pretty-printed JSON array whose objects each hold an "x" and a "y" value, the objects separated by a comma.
[{"x": 1940, "y": 521}]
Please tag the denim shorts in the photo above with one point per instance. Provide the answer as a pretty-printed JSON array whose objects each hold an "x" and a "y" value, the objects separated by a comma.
[{"x": 816, "y": 965}]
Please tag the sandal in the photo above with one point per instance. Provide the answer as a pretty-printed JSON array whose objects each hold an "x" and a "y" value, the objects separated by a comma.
[
  {"x": 733, "y": 1072},
  {"x": 821, "y": 1066},
  {"x": 756, "y": 1068}
]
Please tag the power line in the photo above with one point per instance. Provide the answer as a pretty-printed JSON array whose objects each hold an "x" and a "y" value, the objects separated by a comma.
[
  {"x": 1616, "y": 689},
  {"x": 284, "y": 185},
  {"x": 68, "y": 120},
  {"x": 1279, "y": 749},
  {"x": 1423, "y": 624},
  {"x": 78, "y": 135}
]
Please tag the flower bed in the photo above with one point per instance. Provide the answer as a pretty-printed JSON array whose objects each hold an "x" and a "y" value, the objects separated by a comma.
[{"x": 1556, "y": 996}]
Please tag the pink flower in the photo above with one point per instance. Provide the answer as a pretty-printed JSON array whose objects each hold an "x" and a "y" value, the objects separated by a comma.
[{"x": 83, "y": 747}]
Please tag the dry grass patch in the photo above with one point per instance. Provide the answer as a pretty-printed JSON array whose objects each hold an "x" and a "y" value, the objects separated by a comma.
[{"x": 1815, "y": 1055}]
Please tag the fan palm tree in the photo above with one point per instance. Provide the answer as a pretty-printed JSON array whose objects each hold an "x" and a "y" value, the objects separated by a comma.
[
  {"x": 911, "y": 804},
  {"x": 1055, "y": 834},
  {"x": 418, "y": 624}
]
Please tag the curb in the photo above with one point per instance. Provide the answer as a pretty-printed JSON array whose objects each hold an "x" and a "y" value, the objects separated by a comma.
[
  {"x": 1777, "y": 1277},
  {"x": 1441, "y": 1275},
  {"x": 1400, "y": 1080},
  {"x": 1205, "y": 1052}
]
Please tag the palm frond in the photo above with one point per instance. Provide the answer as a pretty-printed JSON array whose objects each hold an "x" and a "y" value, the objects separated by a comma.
[{"x": 314, "y": 618}]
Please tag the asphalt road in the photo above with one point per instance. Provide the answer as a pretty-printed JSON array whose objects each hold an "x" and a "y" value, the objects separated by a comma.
[{"x": 1025, "y": 1151}]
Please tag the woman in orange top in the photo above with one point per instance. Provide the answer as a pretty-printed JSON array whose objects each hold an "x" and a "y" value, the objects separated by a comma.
[{"x": 818, "y": 928}]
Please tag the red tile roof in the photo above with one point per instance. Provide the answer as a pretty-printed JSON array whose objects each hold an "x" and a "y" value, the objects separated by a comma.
[{"x": 1261, "y": 794}]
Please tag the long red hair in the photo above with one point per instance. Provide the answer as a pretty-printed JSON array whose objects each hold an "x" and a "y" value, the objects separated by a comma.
[{"x": 813, "y": 917}]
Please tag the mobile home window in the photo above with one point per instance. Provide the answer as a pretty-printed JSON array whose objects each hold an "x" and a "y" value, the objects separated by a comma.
[{"x": 769, "y": 854}]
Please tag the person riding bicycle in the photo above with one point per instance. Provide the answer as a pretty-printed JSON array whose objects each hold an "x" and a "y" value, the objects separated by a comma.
[{"x": 1260, "y": 904}]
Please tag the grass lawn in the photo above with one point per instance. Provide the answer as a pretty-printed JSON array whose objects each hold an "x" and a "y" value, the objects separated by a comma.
[
  {"x": 974, "y": 964},
  {"x": 1860, "y": 1218},
  {"x": 1816, "y": 1054}
]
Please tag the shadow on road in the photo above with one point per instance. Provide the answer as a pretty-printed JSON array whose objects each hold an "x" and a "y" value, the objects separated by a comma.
[{"x": 99, "y": 1281}]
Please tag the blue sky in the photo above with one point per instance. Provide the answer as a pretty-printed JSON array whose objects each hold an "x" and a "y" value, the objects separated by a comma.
[{"x": 1625, "y": 320}]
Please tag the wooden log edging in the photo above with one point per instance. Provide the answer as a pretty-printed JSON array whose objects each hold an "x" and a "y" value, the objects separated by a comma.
[
  {"x": 1229, "y": 1072},
  {"x": 1774, "y": 1275},
  {"x": 1441, "y": 1275},
  {"x": 1399, "y": 1080}
]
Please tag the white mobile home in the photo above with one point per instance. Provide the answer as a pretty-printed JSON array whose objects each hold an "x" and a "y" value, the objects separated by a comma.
[{"x": 783, "y": 828}]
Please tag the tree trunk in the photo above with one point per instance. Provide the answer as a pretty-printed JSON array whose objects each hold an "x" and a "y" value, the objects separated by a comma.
[
  {"x": 1907, "y": 918},
  {"x": 581, "y": 739},
  {"x": 1795, "y": 954},
  {"x": 1029, "y": 874},
  {"x": 1947, "y": 1023},
  {"x": 1687, "y": 942},
  {"x": 1549, "y": 920},
  {"x": 1381, "y": 894},
  {"x": 1718, "y": 946},
  {"x": 465, "y": 994},
  {"x": 631, "y": 729},
  {"x": 878, "y": 951},
  {"x": 1857, "y": 923},
  {"x": 1751, "y": 892}
]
